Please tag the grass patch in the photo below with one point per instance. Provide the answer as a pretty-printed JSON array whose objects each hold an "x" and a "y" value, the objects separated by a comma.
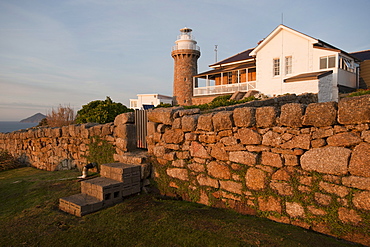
[
  {"x": 359, "y": 92},
  {"x": 29, "y": 216}
]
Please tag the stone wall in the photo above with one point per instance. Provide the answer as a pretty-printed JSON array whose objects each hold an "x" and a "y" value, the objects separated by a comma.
[
  {"x": 306, "y": 165},
  {"x": 66, "y": 147}
]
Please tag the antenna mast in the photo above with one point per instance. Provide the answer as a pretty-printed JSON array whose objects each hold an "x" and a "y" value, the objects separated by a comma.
[{"x": 216, "y": 53}]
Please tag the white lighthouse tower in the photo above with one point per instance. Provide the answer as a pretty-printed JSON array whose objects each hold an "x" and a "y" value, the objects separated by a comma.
[{"x": 185, "y": 54}]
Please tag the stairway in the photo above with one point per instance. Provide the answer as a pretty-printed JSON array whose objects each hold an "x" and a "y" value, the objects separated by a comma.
[{"x": 117, "y": 181}]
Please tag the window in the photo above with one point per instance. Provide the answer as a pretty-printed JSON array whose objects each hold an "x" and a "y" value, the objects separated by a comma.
[
  {"x": 288, "y": 65},
  {"x": 327, "y": 62},
  {"x": 346, "y": 64},
  {"x": 276, "y": 67},
  {"x": 252, "y": 74},
  {"x": 229, "y": 77}
]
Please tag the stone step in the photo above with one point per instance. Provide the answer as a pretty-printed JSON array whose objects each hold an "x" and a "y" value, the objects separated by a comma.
[
  {"x": 80, "y": 204},
  {"x": 104, "y": 189},
  {"x": 135, "y": 157},
  {"x": 121, "y": 172}
]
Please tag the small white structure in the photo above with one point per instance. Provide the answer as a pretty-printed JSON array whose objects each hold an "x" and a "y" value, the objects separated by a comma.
[
  {"x": 286, "y": 61},
  {"x": 149, "y": 100}
]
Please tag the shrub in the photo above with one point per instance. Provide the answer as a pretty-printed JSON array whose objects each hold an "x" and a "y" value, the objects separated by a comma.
[
  {"x": 7, "y": 161},
  {"x": 62, "y": 116},
  {"x": 100, "y": 151},
  {"x": 219, "y": 101},
  {"x": 359, "y": 92},
  {"x": 100, "y": 111}
]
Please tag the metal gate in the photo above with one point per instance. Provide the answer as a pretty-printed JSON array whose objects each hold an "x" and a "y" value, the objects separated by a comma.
[{"x": 141, "y": 120}]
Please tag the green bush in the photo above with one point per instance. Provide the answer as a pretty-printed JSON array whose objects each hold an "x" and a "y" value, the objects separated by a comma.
[
  {"x": 100, "y": 151},
  {"x": 7, "y": 161},
  {"x": 219, "y": 101},
  {"x": 359, "y": 92},
  {"x": 100, "y": 111}
]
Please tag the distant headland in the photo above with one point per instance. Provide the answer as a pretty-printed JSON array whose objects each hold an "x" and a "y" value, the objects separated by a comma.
[{"x": 34, "y": 119}]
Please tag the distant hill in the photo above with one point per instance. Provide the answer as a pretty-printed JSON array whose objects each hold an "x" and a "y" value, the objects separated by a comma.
[{"x": 34, "y": 119}]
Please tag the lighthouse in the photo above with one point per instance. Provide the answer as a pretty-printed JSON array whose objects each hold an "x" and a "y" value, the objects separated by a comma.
[{"x": 185, "y": 53}]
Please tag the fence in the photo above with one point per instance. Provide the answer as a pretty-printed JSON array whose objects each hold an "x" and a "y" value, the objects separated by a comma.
[{"x": 141, "y": 121}]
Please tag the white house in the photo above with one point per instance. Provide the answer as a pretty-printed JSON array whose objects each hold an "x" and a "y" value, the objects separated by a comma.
[
  {"x": 286, "y": 61},
  {"x": 149, "y": 100}
]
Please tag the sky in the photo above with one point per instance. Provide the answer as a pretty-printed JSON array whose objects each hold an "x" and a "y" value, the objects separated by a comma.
[{"x": 72, "y": 52}]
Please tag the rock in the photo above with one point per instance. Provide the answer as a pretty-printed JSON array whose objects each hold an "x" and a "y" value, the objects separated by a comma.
[
  {"x": 197, "y": 150},
  {"x": 218, "y": 151},
  {"x": 270, "y": 203},
  {"x": 354, "y": 110},
  {"x": 266, "y": 116},
  {"x": 217, "y": 170},
  {"x": 205, "y": 122},
  {"x": 243, "y": 157},
  {"x": 343, "y": 140},
  {"x": 248, "y": 136},
  {"x": 272, "y": 139},
  {"x": 282, "y": 188},
  {"x": 361, "y": 200},
  {"x": 178, "y": 173},
  {"x": 223, "y": 120},
  {"x": 334, "y": 189},
  {"x": 357, "y": 182},
  {"x": 255, "y": 179},
  {"x": 231, "y": 186},
  {"x": 360, "y": 160},
  {"x": 349, "y": 216},
  {"x": 244, "y": 117},
  {"x": 162, "y": 115},
  {"x": 281, "y": 174},
  {"x": 271, "y": 159},
  {"x": 291, "y": 115},
  {"x": 203, "y": 180},
  {"x": 294, "y": 209},
  {"x": 128, "y": 117},
  {"x": 323, "y": 199},
  {"x": 173, "y": 136},
  {"x": 321, "y": 114},
  {"x": 302, "y": 141},
  {"x": 189, "y": 123},
  {"x": 330, "y": 160}
]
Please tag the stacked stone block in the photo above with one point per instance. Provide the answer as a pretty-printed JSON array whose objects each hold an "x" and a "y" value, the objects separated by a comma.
[
  {"x": 306, "y": 165},
  {"x": 117, "y": 181}
]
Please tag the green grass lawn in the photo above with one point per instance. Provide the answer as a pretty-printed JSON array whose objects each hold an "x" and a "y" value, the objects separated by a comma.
[{"x": 29, "y": 216}]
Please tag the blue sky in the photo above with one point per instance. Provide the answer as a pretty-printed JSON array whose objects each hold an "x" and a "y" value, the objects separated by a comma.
[{"x": 72, "y": 52}]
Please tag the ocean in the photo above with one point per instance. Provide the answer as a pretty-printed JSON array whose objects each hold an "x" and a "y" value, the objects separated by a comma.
[{"x": 10, "y": 126}]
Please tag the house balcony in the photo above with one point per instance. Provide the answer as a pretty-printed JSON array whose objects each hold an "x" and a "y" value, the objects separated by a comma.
[{"x": 223, "y": 89}]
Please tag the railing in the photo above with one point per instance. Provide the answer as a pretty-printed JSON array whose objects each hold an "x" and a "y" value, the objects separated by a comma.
[
  {"x": 227, "y": 88},
  {"x": 187, "y": 47}
]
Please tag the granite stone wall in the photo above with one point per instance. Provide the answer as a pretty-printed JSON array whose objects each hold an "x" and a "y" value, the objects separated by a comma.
[
  {"x": 66, "y": 147},
  {"x": 301, "y": 164}
]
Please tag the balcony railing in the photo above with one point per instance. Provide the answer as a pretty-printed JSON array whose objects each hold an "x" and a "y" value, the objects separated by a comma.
[
  {"x": 227, "y": 88},
  {"x": 187, "y": 47}
]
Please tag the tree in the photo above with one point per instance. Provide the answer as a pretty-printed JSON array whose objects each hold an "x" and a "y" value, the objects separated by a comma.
[
  {"x": 62, "y": 116},
  {"x": 99, "y": 111}
]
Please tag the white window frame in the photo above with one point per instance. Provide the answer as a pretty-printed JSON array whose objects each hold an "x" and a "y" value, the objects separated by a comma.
[
  {"x": 288, "y": 65},
  {"x": 327, "y": 60},
  {"x": 276, "y": 67}
]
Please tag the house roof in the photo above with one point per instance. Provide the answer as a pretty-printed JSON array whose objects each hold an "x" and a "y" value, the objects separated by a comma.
[
  {"x": 244, "y": 55},
  {"x": 309, "y": 76},
  {"x": 226, "y": 69},
  {"x": 361, "y": 55}
]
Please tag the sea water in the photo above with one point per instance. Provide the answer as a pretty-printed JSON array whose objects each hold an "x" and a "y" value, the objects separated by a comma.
[{"x": 10, "y": 126}]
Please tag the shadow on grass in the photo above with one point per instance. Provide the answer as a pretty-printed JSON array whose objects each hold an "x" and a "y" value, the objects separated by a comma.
[{"x": 30, "y": 217}]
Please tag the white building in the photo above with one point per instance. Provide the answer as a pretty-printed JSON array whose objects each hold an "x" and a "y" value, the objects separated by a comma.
[
  {"x": 149, "y": 100},
  {"x": 286, "y": 61}
]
